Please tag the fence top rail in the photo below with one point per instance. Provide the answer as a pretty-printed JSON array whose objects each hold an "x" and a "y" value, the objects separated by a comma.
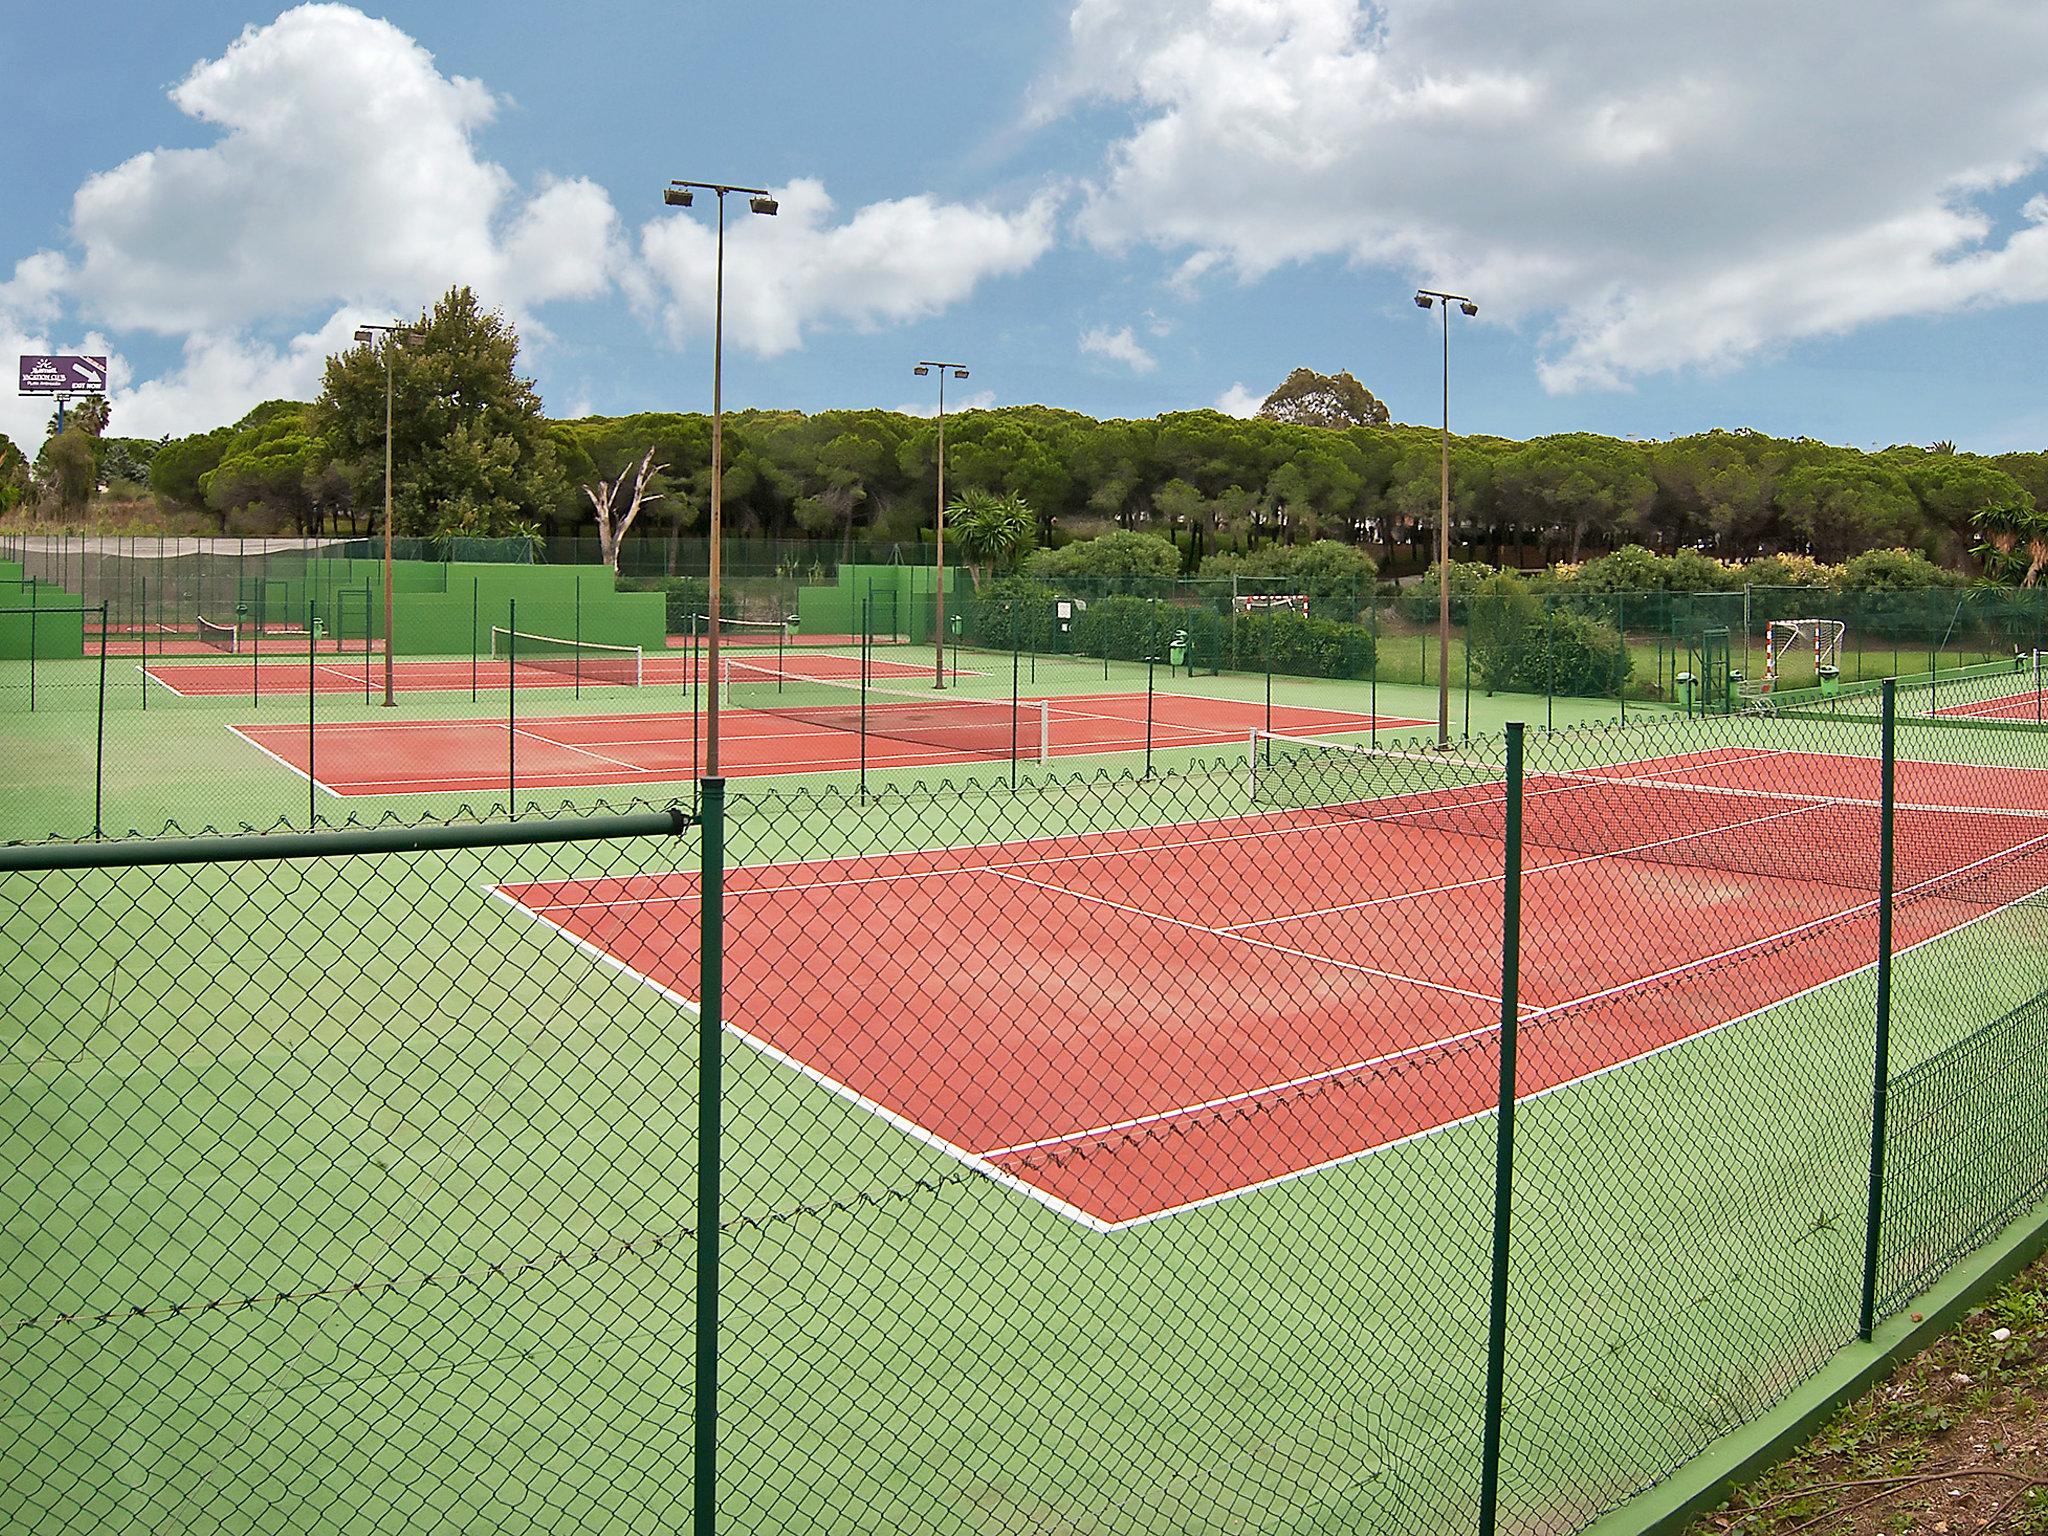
[{"x": 136, "y": 853}]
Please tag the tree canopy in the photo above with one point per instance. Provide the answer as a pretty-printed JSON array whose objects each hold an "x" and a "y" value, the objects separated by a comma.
[
  {"x": 1310, "y": 399},
  {"x": 471, "y": 453}
]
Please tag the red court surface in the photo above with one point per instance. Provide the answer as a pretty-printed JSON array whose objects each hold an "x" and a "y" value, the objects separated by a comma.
[
  {"x": 176, "y": 643},
  {"x": 1125, "y": 1025},
  {"x": 230, "y": 674},
  {"x": 2028, "y": 704},
  {"x": 402, "y": 757}
]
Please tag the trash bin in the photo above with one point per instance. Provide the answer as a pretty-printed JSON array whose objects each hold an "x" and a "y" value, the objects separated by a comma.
[
  {"x": 319, "y": 630},
  {"x": 1687, "y": 685},
  {"x": 1177, "y": 649},
  {"x": 1830, "y": 681},
  {"x": 1734, "y": 689}
]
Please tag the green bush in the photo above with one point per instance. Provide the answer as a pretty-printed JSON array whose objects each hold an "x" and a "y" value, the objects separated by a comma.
[
  {"x": 1012, "y": 611},
  {"x": 1520, "y": 646},
  {"x": 1893, "y": 570},
  {"x": 1417, "y": 603},
  {"x": 1133, "y": 628},
  {"x": 690, "y": 595}
]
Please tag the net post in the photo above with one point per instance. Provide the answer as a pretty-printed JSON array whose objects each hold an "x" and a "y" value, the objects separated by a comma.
[
  {"x": 1150, "y": 661},
  {"x": 1873, "y": 1221},
  {"x": 710, "y": 1126},
  {"x": 256, "y": 649},
  {"x": 1374, "y": 617},
  {"x": 1504, "y": 1140},
  {"x": 576, "y": 638},
  {"x": 145, "y": 641},
  {"x": 475, "y": 597},
  {"x": 99, "y": 748},
  {"x": 511, "y": 708}
]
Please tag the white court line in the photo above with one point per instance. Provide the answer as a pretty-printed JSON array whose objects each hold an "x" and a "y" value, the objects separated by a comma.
[
  {"x": 284, "y": 763},
  {"x": 803, "y": 1069},
  {"x": 549, "y": 741},
  {"x": 1281, "y": 949}
]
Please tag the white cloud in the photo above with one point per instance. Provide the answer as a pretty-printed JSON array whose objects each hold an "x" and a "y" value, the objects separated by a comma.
[
  {"x": 1653, "y": 188},
  {"x": 345, "y": 168},
  {"x": 344, "y": 181},
  {"x": 1239, "y": 401},
  {"x": 1119, "y": 347},
  {"x": 891, "y": 262},
  {"x": 980, "y": 400}
]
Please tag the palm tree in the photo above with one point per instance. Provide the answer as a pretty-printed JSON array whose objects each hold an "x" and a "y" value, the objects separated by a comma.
[{"x": 994, "y": 531}]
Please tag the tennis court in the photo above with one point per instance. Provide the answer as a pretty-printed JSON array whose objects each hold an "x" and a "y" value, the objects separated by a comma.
[
  {"x": 205, "y": 679},
  {"x": 1195, "y": 1035},
  {"x": 2026, "y": 700},
  {"x": 391, "y": 757}
]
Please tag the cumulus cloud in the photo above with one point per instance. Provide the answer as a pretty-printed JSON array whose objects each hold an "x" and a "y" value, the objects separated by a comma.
[
  {"x": 1651, "y": 189},
  {"x": 890, "y": 262},
  {"x": 345, "y": 167},
  {"x": 1118, "y": 346},
  {"x": 1239, "y": 401}
]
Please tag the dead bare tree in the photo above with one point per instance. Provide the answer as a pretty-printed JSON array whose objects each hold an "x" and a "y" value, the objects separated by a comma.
[{"x": 604, "y": 500}]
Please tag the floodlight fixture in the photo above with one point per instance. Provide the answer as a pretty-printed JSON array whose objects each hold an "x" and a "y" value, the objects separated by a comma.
[
  {"x": 366, "y": 335},
  {"x": 924, "y": 369},
  {"x": 681, "y": 194},
  {"x": 1425, "y": 298}
]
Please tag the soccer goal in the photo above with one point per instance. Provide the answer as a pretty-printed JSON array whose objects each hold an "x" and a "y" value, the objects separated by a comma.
[{"x": 1785, "y": 639}]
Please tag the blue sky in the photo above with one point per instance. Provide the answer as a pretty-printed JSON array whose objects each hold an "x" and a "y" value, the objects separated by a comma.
[{"x": 1116, "y": 206}]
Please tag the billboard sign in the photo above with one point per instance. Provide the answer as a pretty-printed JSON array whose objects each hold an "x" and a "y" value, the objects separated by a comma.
[{"x": 63, "y": 375}]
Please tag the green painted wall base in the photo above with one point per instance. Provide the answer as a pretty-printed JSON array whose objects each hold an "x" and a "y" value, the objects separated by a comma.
[{"x": 1743, "y": 1454}]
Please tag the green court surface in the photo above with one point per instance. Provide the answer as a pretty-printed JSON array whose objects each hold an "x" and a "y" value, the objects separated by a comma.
[{"x": 347, "y": 1197}]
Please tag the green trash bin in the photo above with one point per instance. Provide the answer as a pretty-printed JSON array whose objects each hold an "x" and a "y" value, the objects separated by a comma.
[
  {"x": 1734, "y": 690},
  {"x": 1830, "y": 682},
  {"x": 1687, "y": 688},
  {"x": 319, "y": 630},
  {"x": 1177, "y": 649}
]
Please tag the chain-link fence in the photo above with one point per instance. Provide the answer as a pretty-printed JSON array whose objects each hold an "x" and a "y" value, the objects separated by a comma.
[{"x": 1102, "y": 1152}]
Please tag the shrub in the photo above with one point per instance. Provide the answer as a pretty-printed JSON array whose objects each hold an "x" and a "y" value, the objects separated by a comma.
[
  {"x": 1012, "y": 610},
  {"x": 1630, "y": 568},
  {"x": 1133, "y": 628},
  {"x": 1418, "y": 603},
  {"x": 1893, "y": 570}
]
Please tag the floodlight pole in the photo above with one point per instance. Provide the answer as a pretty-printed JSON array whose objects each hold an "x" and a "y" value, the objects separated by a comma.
[
  {"x": 1425, "y": 298},
  {"x": 939, "y": 563},
  {"x": 678, "y": 194},
  {"x": 390, "y": 333}
]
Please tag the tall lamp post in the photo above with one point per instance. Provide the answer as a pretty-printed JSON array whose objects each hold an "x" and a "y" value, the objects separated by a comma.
[
  {"x": 681, "y": 194},
  {"x": 939, "y": 568},
  {"x": 392, "y": 334},
  {"x": 1424, "y": 298}
]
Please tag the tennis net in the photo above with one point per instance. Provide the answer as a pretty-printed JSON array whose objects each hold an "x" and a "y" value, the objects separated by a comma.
[
  {"x": 1989, "y": 853},
  {"x": 221, "y": 637},
  {"x": 586, "y": 661},
  {"x": 992, "y": 730}
]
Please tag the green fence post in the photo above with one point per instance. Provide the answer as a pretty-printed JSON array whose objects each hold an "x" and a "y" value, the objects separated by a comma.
[
  {"x": 1881, "y": 1066},
  {"x": 511, "y": 707},
  {"x": 99, "y": 748},
  {"x": 1504, "y": 1140},
  {"x": 710, "y": 1124},
  {"x": 32, "y": 626},
  {"x": 312, "y": 688},
  {"x": 475, "y": 598},
  {"x": 145, "y": 639}
]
